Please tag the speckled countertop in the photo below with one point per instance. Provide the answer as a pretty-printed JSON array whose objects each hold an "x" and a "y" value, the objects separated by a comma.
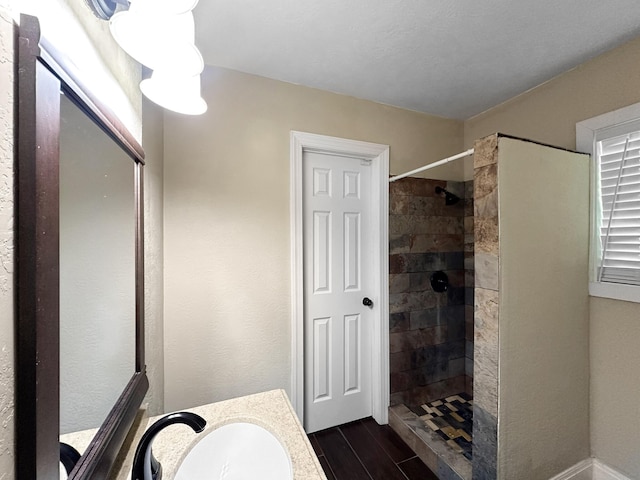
[{"x": 270, "y": 410}]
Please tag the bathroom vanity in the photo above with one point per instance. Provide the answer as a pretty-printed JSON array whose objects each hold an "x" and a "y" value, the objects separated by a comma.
[{"x": 270, "y": 410}]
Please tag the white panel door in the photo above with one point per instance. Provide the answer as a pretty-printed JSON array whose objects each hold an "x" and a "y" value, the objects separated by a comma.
[{"x": 337, "y": 208}]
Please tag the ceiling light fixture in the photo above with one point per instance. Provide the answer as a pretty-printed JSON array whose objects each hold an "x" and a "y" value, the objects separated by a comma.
[
  {"x": 157, "y": 40},
  {"x": 177, "y": 93},
  {"x": 160, "y": 34},
  {"x": 103, "y": 9}
]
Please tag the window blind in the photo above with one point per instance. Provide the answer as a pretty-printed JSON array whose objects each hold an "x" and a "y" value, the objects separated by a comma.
[{"x": 619, "y": 172}]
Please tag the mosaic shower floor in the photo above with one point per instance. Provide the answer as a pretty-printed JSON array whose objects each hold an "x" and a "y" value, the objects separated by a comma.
[{"x": 452, "y": 419}]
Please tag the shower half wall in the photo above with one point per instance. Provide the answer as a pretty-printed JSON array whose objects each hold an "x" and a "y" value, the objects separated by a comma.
[
  {"x": 431, "y": 334},
  {"x": 531, "y": 231}
]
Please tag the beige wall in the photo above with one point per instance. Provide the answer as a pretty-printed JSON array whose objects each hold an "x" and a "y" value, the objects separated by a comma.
[
  {"x": 6, "y": 244},
  {"x": 153, "y": 143},
  {"x": 85, "y": 40},
  {"x": 549, "y": 114},
  {"x": 543, "y": 413},
  {"x": 227, "y": 269},
  {"x": 615, "y": 357}
]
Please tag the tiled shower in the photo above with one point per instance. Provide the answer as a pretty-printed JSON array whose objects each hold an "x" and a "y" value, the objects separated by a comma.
[
  {"x": 519, "y": 368},
  {"x": 431, "y": 333}
]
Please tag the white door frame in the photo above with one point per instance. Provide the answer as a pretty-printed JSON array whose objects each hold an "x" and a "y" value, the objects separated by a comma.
[{"x": 379, "y": 155}]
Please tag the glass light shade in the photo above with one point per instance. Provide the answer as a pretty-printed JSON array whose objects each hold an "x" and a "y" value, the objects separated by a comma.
[
  {"x": 167, "y": 7},
  {"x": 161, "y": 42},
  {"x": 178, "y": 93}
]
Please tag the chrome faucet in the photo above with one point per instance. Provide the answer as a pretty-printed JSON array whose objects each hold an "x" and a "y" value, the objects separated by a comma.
[{"x": 145, "y": 465}]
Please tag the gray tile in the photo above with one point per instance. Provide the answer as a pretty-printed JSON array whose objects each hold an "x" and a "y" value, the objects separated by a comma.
[
  {"x": 456, "y": 349},
  {"x": 468, "y": 207},
  {"x": 400, "y": 243},
  {"x": 468, "y": 224},
  {"x": 399, "y": 322},
  {"x": 421, "y": 356},
  {"x": 469, "y": 278},
  {"x": 456, "y": 326},
  {"x": 397, "y": 263},
  {"x": 430, "y": 373},
  {"x": 399, "y": 361},
  {"x": 399, "y": 283},
  {"x": 445, "y": 472},
  {"x": 485, "y": 445},
  {"x": 486, "y": 350},
  {"x": 416, "y": 339},
  {"x": 440, "y": 315},
  {"x": 468, "y": 295},
  {"x": 486, "y": 272},
  {"x": 469, "y": 261},
  {"x": 427, "y": 318},
  {"x": 457, "y": 367},
  {"x": 456, "y": 296},
  {"x": 419, "y": 281},
  {"x": 485, "y": 151},
  {"x": 423, "y": 243},
  {"x": 416, "y": 224},
  {"x": 468, "y": 366},
  {"x": 400, "y": 419},
  {"x": 454, "y": 260},
  {"x": 426, "y": 262},
  {"x": 468, "y": 349},
  {"x": 412, "y": 301},
  {"x": 468, "y": 189},
  {"x": 399, "y": 204}
]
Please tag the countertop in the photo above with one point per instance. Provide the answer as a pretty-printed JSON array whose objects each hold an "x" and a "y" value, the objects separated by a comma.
[{"x": 270, "y": 410}]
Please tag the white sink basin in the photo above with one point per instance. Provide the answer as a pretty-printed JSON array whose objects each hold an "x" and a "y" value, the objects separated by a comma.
[{"x": 236, "y": 451}]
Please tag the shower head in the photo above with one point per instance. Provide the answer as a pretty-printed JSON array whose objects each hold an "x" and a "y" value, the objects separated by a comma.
[{"x": 449, "y": 198}]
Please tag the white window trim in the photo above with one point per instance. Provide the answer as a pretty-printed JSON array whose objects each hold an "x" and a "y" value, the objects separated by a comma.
[{"x": 585, "y": 142}]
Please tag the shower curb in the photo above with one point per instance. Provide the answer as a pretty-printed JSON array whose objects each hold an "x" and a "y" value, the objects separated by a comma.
[{"x": 428, "y": 446}]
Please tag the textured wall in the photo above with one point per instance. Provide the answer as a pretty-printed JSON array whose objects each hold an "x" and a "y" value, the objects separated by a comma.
[
  {"x": 227, "y": 229},
  {"x": 85, "y": 39},
  {"x": 549, "y": 114},
  {"x": 427, "y": 329},
  {"x": 615, "y": 357},
  {"x": 531, "y": 324},
  {"x": 153, "y": 143},
  {"x": 6, "y": 244},
  {"x": 543, "y": 413}
]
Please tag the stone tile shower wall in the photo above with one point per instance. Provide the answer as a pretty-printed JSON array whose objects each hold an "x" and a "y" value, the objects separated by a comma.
[
  {"x": 469, "y": 284},
  {"x": 487, "y": 297},
  {"x": 427, "y": 329}
]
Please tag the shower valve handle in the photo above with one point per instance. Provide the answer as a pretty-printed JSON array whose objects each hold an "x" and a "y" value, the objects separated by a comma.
[{"x": 366, "y": 301}]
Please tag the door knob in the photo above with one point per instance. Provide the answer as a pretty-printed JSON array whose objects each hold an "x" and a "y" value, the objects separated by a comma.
[{"x": 366, "y": 301}]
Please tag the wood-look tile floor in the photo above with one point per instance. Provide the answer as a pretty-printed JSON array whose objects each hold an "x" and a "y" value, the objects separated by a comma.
[{"x": 364, "y": 450}]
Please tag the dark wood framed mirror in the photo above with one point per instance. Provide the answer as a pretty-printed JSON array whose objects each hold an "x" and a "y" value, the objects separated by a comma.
[{"x": 48, "y": 84}]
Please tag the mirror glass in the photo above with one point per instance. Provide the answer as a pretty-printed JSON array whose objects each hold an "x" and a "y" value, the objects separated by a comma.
[{"x": 97, "y": 270}]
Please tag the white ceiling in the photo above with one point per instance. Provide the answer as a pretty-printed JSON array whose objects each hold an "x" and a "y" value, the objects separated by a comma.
[{"x": 453, "y": 58}]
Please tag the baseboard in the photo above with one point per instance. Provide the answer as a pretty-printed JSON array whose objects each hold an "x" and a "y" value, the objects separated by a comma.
[
  {"x": 605, "y": 472},
  {"x": 580, "y": 471},
  {"x": 590, "y": 469}
]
